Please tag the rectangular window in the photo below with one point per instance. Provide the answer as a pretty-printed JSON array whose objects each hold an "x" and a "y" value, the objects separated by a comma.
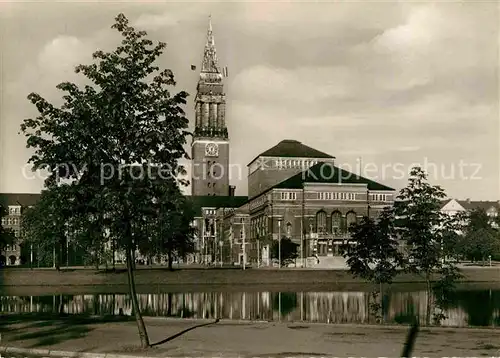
[{"x": 288, "y": 196}]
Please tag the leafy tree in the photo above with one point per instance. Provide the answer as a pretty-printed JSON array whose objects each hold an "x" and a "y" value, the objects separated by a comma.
[
  {"x": 452, "y": 235},
  {"x": 480, "y": 238},
  {"x": 375, "y": 256},
  {"x": 44, "y": 225},
  {"x": 6, "y": 235},
  {"x": 481, "y": 243},
  {"x": 171, "y": 232},
  {"x": 108, "y": 135},
  {"x": 421, "y": 227},
  {"x": 478, "y": 219},
  {"x": 288, "y": 251}
]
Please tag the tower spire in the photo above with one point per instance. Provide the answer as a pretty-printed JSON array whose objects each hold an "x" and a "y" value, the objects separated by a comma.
[{"x": 210, "y": 63}]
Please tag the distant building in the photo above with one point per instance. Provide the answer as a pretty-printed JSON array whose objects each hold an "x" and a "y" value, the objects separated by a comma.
[
  {"x": 15, "y": 204},
  {"x": 454, "y": 206},
  {"x": 294, "y": 191}
]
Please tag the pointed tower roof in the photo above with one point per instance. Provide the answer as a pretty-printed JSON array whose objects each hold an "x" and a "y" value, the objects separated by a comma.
[{"x": 210, "y": 63}]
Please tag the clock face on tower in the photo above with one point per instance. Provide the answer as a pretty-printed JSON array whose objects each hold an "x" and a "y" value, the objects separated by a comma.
[{"x": 211, "y": 149}]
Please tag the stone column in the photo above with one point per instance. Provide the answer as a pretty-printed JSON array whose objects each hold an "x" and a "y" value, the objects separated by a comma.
[
  {"x": 216, "y": 114},
  {"x": 211, "y": 115},
  {"x": 221, "y": 114},
  {"x": 204, "y": 114},
  {"x": 198, "y": 114}
]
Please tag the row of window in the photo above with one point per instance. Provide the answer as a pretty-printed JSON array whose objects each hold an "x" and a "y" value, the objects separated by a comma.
[
  {"x": 14, "y": 210},
  {"x": 10, "y": 221},
  {"x": 339, "y": 223},
  {"x": 11, "y": 248},
  {"x": 257, "y": 202},
  {"x": 286, "y": 195},
  {"x": 258, "y": 226},
  {"x": 379, "y": 197},
  {"x": 294, "y": 163},
  {"x": 336, "y": 196}
]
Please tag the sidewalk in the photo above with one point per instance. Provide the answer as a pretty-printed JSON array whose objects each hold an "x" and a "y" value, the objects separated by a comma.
[{"x": 232, "y": 339}]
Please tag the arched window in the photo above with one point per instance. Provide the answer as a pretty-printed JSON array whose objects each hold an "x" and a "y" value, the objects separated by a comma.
[
  {"x": 321, "y": 221},
  {"x": 350, "y": 219},
  {"x": 336, "y": 222},
  {"x": 288, "y": 230}
]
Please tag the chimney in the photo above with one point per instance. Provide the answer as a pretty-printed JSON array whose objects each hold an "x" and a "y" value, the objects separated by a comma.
[{"x": 232, "y": 189}]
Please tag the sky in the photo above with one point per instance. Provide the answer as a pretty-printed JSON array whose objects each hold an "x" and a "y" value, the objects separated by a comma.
[{"x": 382, "y": 86}]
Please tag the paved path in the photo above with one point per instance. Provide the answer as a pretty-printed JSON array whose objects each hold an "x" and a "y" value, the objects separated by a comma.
[{"x": 231, "y": 339}]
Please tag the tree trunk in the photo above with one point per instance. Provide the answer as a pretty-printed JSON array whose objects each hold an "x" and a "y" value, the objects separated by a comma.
[
  {"x": 143, "y": 334},
  {"x": 114, "y": 250},
  {"x": 57, "y": 258},
  {"x": 169, "y": 304},
  {"x": 61, "y": 305},
  {"x": 170, "y": 259},
  {"x": 429, "y": 299},
  {"x": 381, "y": 289}
]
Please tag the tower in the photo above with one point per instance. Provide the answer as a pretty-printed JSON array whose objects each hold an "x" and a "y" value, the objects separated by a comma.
[{"x": 210, "y": 145}]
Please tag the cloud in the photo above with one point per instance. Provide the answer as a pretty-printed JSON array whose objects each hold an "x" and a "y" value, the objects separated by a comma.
[
  {"x": 61, "y": 55},
  {"x": 303, "y": 84},
  {"x": 348, "y": 78},
  {"x": 155, "y": 22}
]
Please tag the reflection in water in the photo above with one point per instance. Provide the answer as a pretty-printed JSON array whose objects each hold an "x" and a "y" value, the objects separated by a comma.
[{"x": 477, "y": 308}]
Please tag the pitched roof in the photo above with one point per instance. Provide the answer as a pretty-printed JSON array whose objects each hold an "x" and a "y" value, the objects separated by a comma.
[
  {"x": 292, "y": 149},
  {"x": 444, "y": 202},
  {"x": 200, "y": 202},
  {"x": 484, "y": 205},
  {"x": 326, "y": 173},
  {"x": 14, "y": 199}
]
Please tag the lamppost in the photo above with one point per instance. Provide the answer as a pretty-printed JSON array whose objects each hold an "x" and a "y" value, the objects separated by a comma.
[
  {"x": 258, "y": 249},
  {"x": 311, "y": 240},
  {"x": 244, "y": 248},
  {"x": 279, "y": 243}
]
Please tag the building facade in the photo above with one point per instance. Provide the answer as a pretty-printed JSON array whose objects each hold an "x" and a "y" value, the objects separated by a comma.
[
  {"x": 210, "y": 144},
  {"x": 454, "y": 206},
  {"x": 15, "y": 254}
]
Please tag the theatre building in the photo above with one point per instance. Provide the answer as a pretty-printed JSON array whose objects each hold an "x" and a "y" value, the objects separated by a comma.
[{"x": 293, "y": 190}]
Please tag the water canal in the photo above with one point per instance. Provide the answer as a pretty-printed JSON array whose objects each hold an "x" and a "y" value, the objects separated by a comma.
[{"x": 468, "y": 307}]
